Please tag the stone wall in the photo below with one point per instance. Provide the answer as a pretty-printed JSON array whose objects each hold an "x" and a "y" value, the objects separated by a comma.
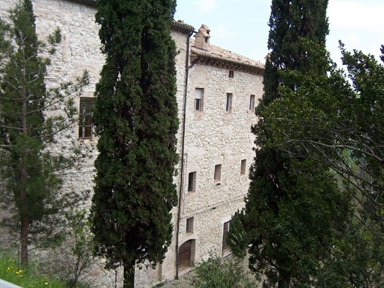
[{"x": 213, "y": 136}]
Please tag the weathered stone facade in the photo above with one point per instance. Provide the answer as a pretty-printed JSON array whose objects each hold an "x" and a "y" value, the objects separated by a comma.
[{"x": 215, "y": 131}]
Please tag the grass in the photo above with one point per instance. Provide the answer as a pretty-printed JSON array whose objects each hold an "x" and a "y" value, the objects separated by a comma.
[{"x": 26, "y": 277}]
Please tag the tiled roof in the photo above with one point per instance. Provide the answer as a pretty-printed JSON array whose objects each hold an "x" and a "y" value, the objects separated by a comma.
[
  {"x": 182, "y": 25},
  {"x": 218, "y": 56}
]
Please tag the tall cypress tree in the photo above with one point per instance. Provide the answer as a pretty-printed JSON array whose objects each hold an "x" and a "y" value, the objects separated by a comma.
[
  {"x": 28, "y": 168},
  {"x": 136, "y": 118},
  {"x": 293, "y": 206}
]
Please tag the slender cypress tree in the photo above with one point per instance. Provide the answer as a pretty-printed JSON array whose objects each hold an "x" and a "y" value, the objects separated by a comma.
[
  {"x": 136, "y": 119},
  {"x": 28, "y": 169},
  {"x": 293, "y": 205}
]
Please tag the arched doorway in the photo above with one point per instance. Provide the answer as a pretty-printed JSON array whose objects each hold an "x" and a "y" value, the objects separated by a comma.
[{"x": 187, "y": 254}]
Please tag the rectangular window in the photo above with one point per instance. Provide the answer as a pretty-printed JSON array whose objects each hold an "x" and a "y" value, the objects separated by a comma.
[
  {"x": 252, "y": 103},
  {"x": 225, "y": 236},
  {"x": 199, "y": 99},
  {"x": 85, "y": 118},
  {"x": 189, "y": 226},
  {"x": 217, "y": 176},
  {"x": 228, "y": 105},
  {"x": 231, "y": 74},
  {"x": 191, "y": 182},
  {"x": 243, "y": 166}
]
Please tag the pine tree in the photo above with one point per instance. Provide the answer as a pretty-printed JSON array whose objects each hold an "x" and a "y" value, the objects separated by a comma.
[
  {"x": 29, "y": 178},
  {"x": 336, "y": 119},
  {"x": 136, "y": 119},
  {"x": 294, "y": 208}
]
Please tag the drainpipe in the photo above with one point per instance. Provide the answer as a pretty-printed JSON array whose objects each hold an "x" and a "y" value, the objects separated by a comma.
[{"x": 182, "y": 157}]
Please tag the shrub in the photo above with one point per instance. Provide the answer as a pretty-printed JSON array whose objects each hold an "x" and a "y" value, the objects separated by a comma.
[{"x": 218, "y": 272}]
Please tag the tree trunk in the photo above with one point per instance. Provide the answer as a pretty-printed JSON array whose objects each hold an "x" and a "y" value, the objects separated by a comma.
[
  {"x": 284, "y": 280},
  {"x": 24, "y": 179},
  {"x": 24, "y": 241},
  {"x": 129, "y": 275}
]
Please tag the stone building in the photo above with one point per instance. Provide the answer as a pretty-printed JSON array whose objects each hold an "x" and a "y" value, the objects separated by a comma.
[{"x": 217, "y": 91}]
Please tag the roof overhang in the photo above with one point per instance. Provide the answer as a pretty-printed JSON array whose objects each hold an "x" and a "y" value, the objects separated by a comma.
[{"x": 204, "y": 58}]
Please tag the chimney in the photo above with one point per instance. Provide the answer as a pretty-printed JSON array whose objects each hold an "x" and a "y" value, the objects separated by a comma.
[{"x": 202, "y": 38}]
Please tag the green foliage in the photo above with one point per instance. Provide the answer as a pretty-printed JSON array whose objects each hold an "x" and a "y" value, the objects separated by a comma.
[
  {"x": 82, "y": 245},
  {"x": 221, "y": 272},
  {"x": 136, "y": 118},
  {"x": 28, "y": 167},
  {"x": 289, "y": 22},
  {"x": 336, "y": 119},
  {"x": 26, "y": 276},
  {"x": 74, "y": 256},
  {"x": 237, "y": 238},
  {"x": 296, "y": 215},
  {"x": 76, "y": 253}
]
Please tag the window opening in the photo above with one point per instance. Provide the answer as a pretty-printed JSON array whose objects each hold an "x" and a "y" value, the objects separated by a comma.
[
  {"x": 189, "y": 226},
  {"x": 199, "y": 99},
  {"x": 85, "y": 118},
  {"x": 191, "y": 181},
  {"x": 225, "y": 235},
  {"x": 217, "y": 175},
  {"x": 228, "y": 105},
  {"x": 243, "y": 165},
  {"x": 252, "y": 103}
]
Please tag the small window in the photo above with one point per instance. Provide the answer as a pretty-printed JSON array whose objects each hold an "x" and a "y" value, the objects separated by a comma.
[
  {"x": 85, "y": 118},
  {"x": 199, "y": 99},
  {"x": 231, "y": 74},
  {"x": 228, "y": 105},
  {"x": 217, "y": 176},
  {"x": 252, "y": 103},
  {"x": 191, "y": 182},
  {"x": 225, "y": 236},
  {"x": 189, "y": 226},
  {"x": 243, "y": 165}
]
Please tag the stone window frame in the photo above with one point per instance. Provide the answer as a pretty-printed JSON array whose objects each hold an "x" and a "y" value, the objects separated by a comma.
[
  {"x": 231, "y": 74},
  {"x": 217, "y": 173},
  {"x": 86, "y": 126},
  {"x": 189, "y": 225},
  {"x": 198, "y": 103},
  {"x": 225, "y": 246},
  {"x": 243, "y": 166},
  {"x": 191, "y": 182},
  {"x": 252, "y": 103},
  {"x": 228, "y": 103}
]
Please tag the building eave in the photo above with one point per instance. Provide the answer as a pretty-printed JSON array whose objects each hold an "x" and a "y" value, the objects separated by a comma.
[
  {"x": 182, "y": 27},
  {"x": 205, "y": 58},
  {"x": 176, "y": 24}
]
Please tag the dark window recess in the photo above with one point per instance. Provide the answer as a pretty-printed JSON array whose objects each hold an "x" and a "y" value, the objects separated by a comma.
[
  {"x": 225, "y": 236},
  {"x": 243, "y": 166},
  {"x": 199, "y": 99},
  {"x": 191, "y": 182},
  {"x": 85, "y": 118},
  {"x": 251, "y": 102},
  {"x": 228, "y": 105},
  {"x": 189, "y": 226},
  {"x": 217, "y": 175}
]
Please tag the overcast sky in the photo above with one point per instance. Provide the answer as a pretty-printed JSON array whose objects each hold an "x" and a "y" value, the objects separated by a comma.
[{"x": 241, "y": 25}]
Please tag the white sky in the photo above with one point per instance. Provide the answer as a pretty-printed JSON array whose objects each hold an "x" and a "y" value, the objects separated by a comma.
[{"x": 242, "y": 25}]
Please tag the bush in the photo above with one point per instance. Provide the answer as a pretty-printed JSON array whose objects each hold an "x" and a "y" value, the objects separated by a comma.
[
  {"x": 27, "y": 276},
  {"x": 218, "y": 272}
]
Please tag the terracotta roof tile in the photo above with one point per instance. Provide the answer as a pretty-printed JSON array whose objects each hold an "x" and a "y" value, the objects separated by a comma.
[
  {"x": 181, "y": 24},
  {"x": 220, "y": 54}
]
